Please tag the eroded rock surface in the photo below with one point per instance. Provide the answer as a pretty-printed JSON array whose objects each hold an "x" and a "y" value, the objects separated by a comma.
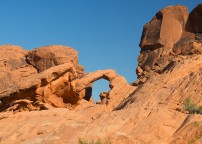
[
  {"x": 153, "y": 113},
  {"x": 55, "y": 80},
  {"x": 49, "y": 56},
  {"x": 169, "y": 71},
  {"x": 165, "y": 29},
  {"x": 194, "y": 21},
  {"x": 13, "y": 67},
  {"x": 120, "y": 89},
  {"x": 29, "y": 79},
  {"x": 172, "y": 33}
]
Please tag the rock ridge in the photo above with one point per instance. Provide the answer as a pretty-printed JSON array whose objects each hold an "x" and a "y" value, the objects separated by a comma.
[{"x": 170, "y": 35}]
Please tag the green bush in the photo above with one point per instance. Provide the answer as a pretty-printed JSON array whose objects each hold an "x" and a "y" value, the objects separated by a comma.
[
  {"x": 192, "y": 107},
  {"x": 189, "y": 106}
]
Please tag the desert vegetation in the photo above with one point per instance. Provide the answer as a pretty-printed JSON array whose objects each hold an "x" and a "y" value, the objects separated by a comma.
[
  {"x": 192, "y": 107},
  {"x": 83, "y": 141}
]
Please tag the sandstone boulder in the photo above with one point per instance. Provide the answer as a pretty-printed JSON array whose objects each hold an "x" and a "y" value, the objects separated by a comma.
[
  {"x": 172, "y": 33},
  {"x": 49, "y": 56},
  {"x": 191, "y": 41},
  {"x": 165, "y": 28},
  {"x": 195, "y": 20},
  {"x": 38, "y": 76},
  {"x": 158, "y": 38},
  {"x": 44, "y": 88}
]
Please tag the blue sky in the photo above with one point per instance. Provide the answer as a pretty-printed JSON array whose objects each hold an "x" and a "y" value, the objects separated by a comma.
[{"x": 105, "y": 32}]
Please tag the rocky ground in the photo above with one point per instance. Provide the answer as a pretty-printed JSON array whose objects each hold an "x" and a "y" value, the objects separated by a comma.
[{"x": 45, "y": 95}]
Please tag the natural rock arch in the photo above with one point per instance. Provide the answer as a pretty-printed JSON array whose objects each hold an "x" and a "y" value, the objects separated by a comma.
[
  {"x": 66, "y": 92},
  {"x": 60, "y": 86},
  {"x": 96, "y": 91},
  {"x": 120, "y": 89}
]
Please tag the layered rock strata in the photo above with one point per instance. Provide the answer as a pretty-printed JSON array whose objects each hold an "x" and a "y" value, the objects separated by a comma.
[
  {"x": 170, "y": 35},
  {"x": 23, "y": 73}
]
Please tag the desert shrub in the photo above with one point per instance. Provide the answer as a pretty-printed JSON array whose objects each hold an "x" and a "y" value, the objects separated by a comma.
[
  {"x": 199, "y": 109},
  {"x": 82, "y": 141},
  {"x": 189, "y": 106},
  {"x": 192, "y": 107},
  {"x": 195, "y": 139}
]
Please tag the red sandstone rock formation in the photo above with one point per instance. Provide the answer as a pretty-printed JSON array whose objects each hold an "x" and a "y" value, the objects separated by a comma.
[
  {"x": 25, "y": 75},
  {"x": 194, "y": 21},
  {"x": 120, "y": 89},
  {"x": 55, "y": 80},
  {"x": 169, "y": 71},
  {"x": 170, "y": 34}
]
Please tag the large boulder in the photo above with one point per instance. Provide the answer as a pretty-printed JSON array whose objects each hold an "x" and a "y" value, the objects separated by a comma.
[
  {"x": 172, "y": 33},
  {"x": 165, "y": 28},
  {"x": 158, "y": 38},
  {"x": 32, "y": 77},
  {"x": 195, "y": 20},
  {"x": 191, "y": 41},
  {"x": 49, "y": 56}
]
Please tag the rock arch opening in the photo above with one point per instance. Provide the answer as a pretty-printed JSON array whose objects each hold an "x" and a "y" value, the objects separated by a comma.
[{"x": 99, "y": 90}]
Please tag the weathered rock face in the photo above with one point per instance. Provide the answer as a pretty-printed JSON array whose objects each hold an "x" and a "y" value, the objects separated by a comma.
[
  {"x": 194, "y": 21},
  {"x": 38, "y": 90},
  {"x": 171, "y": 33},
  {"x": 158, "y": 38},
  {"x": 165, "y": 29},
  {"x": 32, "y": 77},
  {"x": 158, "y": 104},
  {"x": 120, "y": 89},
  {"x": 191, "y": 41},
  {"x": 13, "y": 67},
  {"x": 55, "y": 80},
  {"x": 153, "y": 113},
  {"x": 49, "y": 56}
]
